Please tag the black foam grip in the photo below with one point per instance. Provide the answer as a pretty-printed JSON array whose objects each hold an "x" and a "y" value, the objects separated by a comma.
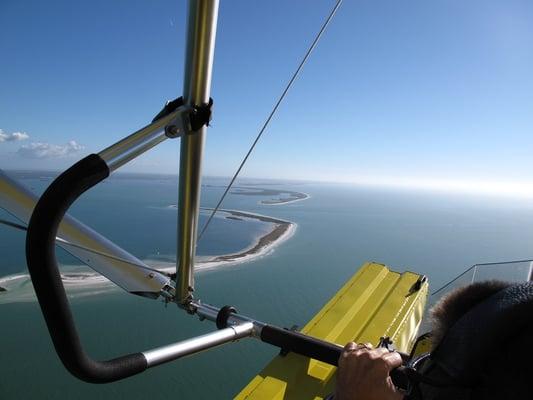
[
  {"x": 318, "y": 349},
  {"x": 302, "y": 344},
  {"x": 42, "y": 264}
]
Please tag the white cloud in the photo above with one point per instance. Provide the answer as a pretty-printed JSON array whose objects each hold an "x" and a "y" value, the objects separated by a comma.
[
  {"x": 48, "y": 150},
  {"x": 13, "y": 137}
]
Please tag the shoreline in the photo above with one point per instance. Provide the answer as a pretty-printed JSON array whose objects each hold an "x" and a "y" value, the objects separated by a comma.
[
  {"x": 17, "y": 287},
  {"x": 256, "y": 191},
  {"x": 282, "y": 231},
  {"x": 265, "y": 202},
  {"x": 263, "y": 246}
]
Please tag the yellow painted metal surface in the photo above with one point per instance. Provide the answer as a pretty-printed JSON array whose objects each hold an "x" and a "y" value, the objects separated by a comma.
[{"x": 375, "y": 302}]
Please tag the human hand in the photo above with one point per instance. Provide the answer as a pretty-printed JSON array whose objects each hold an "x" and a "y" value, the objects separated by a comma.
[{"x": 363, "y": 373}]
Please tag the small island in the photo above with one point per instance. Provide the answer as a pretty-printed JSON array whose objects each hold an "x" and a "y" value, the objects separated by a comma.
[
  {"x": 234, "y": 218},
  {"x": 281, "y": 231},
  {"x": 285, "y": 196}
]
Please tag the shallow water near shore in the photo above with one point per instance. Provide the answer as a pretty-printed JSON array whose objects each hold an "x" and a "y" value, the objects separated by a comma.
[{"x": 338, "y": 228}]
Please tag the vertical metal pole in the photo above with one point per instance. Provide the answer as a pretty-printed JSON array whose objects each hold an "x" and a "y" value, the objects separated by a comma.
[{"x": 202, "y": 23}]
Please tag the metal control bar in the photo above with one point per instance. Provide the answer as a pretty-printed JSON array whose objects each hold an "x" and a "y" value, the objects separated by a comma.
[
  {"x": 197, "y": 344},
  {"x": 289, "y": 340}
]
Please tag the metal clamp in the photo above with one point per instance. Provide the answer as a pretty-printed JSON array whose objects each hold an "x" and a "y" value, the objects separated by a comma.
[
  {"x": 191, "y": 120},
  {"x": 181, "y": 124}
]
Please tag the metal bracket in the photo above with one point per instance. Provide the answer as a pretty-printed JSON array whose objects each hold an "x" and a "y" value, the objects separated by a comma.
[
  {"x": 181, "y": 124},
  {"x": 188, "y": 119}
]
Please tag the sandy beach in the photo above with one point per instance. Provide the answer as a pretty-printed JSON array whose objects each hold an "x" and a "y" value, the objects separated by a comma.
[
  {"x": 277, "y": 196},
  {"x": 81, "y": 281},
  {"x": 281, "y": 231},
  {"x": 304, "y": 196}
]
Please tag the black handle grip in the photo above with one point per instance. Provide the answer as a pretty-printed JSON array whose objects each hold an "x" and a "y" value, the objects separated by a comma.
[
  {"x": 42, "y": 264},
  {"x": 318, "y": 349},
  {"x": 302, "y": 344}
]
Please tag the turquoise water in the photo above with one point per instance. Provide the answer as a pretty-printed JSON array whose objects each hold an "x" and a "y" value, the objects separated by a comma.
[{"x": 339, "y": 228}]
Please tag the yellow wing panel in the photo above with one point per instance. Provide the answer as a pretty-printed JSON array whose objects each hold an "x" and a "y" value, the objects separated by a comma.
[{"x": 375, "y": 302}]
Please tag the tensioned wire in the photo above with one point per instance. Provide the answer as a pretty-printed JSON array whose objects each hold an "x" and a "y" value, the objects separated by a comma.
[{"x": 276, "y": 106}]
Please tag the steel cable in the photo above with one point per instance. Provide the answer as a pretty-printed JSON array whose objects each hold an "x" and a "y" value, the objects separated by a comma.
[{"x": 276, "y": 106}]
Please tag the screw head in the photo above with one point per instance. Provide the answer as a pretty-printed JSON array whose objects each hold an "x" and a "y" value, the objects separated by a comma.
[{"x": 172, "y": 131}]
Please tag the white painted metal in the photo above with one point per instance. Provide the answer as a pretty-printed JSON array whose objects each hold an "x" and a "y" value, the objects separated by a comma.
[{"x": 124, "y": 269}]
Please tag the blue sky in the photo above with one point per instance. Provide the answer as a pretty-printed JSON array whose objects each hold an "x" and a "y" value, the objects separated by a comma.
[{"x": 412, "y": 92}]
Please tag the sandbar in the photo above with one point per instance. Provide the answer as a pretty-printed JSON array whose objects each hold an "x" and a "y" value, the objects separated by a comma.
[
  {"x": 281, "y": 231},
  {"x": 86, "y": 282},
  {"x": 286, "y": 196}
]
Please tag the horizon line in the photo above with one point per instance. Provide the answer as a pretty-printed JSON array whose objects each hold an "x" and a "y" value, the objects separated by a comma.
[{"x": 520, "y": 189}]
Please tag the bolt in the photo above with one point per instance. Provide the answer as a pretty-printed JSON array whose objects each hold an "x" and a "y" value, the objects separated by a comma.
[{"x": 172, "y": 131}]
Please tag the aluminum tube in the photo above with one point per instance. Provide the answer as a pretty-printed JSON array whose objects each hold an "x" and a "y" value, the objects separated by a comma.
[
  {"x": 174, "y": 351},
  {"x": 124, "y": 269},
  {"x": 202, "y": 22},
  {"x": 206, "y": 311},
  {"x": 137, "y": 143}
]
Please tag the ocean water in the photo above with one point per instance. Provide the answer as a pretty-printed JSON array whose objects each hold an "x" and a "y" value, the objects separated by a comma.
[{"x": 338, "y": 228}]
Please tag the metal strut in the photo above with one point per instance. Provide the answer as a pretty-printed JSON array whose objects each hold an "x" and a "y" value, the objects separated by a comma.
[{"x": 202, "y": 25}]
